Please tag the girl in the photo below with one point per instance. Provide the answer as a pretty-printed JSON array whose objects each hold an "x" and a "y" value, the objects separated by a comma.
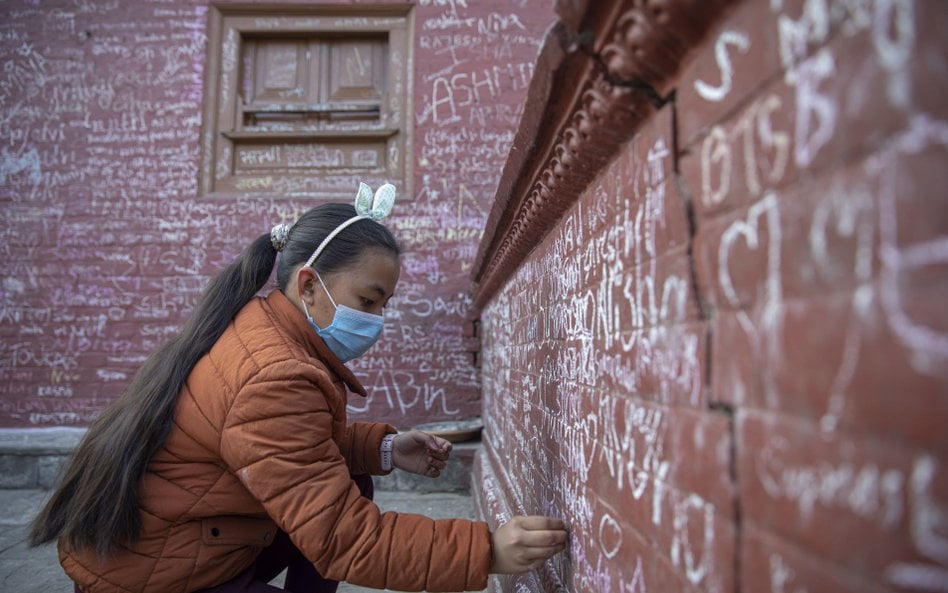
[{"x": 229, "y": 457}]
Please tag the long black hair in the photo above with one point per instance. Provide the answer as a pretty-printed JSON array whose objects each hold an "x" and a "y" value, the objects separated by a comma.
[{"x": 96, "y": 502}]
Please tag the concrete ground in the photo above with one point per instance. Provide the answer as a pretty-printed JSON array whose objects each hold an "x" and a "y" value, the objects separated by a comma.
[{"x": 37, "y": 570}]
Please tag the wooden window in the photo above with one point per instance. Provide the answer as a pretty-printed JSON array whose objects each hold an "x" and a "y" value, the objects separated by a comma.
[{"x": 307, "y": 102}]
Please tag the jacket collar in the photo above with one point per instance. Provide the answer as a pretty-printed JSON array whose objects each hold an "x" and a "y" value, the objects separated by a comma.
[{"x": 292, "y": 320}]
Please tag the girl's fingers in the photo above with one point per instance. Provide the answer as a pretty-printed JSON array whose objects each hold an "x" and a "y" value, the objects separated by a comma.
[{"x": 439, "y": 447}]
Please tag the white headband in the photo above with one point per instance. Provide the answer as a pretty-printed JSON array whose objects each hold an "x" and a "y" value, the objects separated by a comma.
[{"x": 374, "y": 207}]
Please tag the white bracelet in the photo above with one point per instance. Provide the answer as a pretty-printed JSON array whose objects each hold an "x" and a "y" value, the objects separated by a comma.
[{"x": 387, "y": 442}]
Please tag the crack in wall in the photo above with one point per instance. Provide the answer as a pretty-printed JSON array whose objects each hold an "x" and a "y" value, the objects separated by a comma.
[
  {"x": 728, "y": 411},
  {"x": 582, "y": 42},
  {"x": 705, "y": 313}
]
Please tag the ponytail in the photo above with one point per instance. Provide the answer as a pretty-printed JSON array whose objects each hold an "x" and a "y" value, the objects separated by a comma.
[{"x": 96, "y": 503}]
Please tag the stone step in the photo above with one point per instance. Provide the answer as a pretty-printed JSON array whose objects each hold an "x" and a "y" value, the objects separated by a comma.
[{"x": 34, "y": 458}]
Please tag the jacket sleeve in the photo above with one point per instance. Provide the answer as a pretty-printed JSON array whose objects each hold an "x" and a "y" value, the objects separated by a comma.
[
  {"x": 277, "y": 439},
  {"x": 362, "y": 447}
]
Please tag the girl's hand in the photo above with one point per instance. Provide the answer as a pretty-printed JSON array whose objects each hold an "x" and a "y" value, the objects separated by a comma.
[
  {"x": 524, "y": 543},
  {"x": 420, "y": 453}
]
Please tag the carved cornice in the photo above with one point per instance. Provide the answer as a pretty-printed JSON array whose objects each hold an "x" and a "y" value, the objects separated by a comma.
[
  {"x": 651, "y": 38},
  {"x": 602, "y": 72}
]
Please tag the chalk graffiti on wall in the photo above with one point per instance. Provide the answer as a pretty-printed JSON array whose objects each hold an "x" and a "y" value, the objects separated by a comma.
[
  {"x": 100, "y": 115},
  {"x": 860, "y": 239},
  {"x": 817, "y": 259},
  {"x": 604, "y": 311},
  {"x": 925, "y": 338}
]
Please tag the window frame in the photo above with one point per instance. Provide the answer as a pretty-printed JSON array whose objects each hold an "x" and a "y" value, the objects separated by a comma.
[{"x": 229, "y": 24}]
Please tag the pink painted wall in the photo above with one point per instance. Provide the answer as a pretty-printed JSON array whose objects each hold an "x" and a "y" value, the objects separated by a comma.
[{"x": 105, "y": 244}]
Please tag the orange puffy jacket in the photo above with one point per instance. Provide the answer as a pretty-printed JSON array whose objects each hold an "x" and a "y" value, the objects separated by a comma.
[{"x": 260, "y": 442}]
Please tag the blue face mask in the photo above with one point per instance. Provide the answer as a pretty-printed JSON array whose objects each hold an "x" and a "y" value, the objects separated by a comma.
[{"x": 351, "y": 332}]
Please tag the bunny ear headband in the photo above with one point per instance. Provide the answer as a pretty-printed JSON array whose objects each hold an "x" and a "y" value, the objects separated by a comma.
[
  {"x": 368, "y": 205},
  {"x": 375, "y": 206}
]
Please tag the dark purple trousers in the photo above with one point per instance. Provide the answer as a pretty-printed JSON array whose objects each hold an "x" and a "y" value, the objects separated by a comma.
[{"x": 301, "y": 576}]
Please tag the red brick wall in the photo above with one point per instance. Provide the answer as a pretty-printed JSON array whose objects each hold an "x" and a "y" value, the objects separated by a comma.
[
  {"x": 727, "y": 365},
  {"x": 106, "y": 245}
]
